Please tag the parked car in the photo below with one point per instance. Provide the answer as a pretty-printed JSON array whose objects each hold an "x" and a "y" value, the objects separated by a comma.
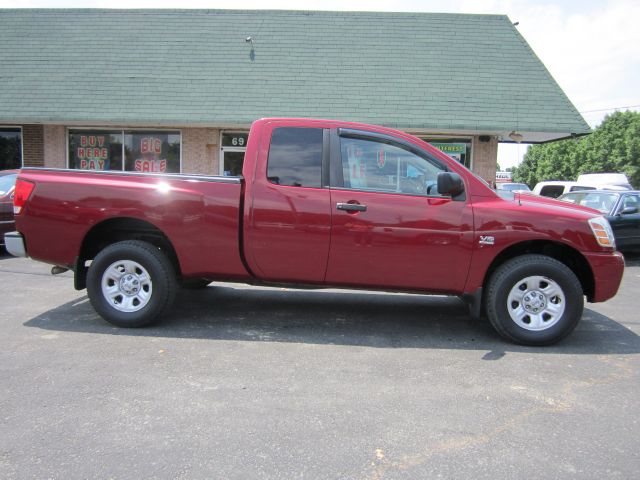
[
  {"x": 621, "y": 208},
  {"x": 7, "y": 186},
  {"x": 513, "y": 187},
  {"x": 327, "y": 204},
  {"x": 555, "y": 188}
]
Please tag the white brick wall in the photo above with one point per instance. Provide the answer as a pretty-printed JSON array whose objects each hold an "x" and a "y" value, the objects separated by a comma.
[
  {"x": 55, "y": 150},
  {"x": 200, "y": 150},
  {"x": 485, "y": 158}
]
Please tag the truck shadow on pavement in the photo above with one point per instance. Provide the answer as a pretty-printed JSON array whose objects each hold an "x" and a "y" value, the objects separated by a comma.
[{"x": 222, "y": 312}]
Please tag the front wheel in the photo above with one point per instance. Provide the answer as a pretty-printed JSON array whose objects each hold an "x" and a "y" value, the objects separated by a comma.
[
  {"x": 534, "y": 300},
  {"x": 131, "y": 283}
]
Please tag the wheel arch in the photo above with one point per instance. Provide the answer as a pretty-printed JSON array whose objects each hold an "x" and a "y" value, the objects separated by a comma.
[
  {"x": 564, "y": 253},
  {"x": 115, "y": 230}
]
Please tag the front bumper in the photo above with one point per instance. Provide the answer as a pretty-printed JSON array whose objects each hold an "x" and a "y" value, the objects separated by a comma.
[
  {"x": 14, "y": 243},
  {"x": 607, "y": 269}
]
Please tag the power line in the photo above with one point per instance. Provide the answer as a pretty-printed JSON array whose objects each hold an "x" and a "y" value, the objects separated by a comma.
[{"x": 607, "y": 109}]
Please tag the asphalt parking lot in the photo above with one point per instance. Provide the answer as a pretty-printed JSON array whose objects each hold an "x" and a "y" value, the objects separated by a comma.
[{"x": 242, "y": 383}]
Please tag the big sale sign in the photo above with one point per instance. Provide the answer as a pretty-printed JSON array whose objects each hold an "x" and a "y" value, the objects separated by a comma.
[{"x": 151, "y": 149}]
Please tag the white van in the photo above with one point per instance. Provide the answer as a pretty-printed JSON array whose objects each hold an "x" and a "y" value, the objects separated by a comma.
[
  {"x": 555, "y": 188},
  {"x": 606, "y": 181}
]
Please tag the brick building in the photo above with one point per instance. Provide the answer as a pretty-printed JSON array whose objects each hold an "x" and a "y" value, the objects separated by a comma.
[{"x": 176, "y": 90}]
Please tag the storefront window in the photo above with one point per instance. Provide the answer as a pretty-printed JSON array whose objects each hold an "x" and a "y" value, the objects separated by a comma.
[
  {"x": 457, "y": 148},
  {"x": 95, "y": 150},
  {"x": 157, "y": 152},
  {"x": 144, "y": 151},
  {"x": 10, "y": 148}
]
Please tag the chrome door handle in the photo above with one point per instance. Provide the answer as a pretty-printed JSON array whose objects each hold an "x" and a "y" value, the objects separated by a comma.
[{"x": 351, "y": 207}]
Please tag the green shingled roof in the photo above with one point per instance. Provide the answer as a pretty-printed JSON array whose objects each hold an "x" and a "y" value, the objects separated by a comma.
[{"x": 172, "y": 67}]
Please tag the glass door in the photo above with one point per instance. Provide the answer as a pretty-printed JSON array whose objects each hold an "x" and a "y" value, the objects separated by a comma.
[
  {"x": 231, "y": 163},
  {"x": 233, "y": 147}
]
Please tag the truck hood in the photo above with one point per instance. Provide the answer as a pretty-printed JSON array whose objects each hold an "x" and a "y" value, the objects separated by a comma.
[{"x": 551, "y": 206}]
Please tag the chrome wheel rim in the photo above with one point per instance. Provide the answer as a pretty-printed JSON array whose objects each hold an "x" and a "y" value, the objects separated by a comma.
[
  {"x": 536, "y": 303},
  {"x": 126, "y": 285}
]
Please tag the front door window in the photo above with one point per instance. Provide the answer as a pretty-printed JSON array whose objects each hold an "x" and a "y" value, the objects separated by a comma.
[{"x": 374, "y": 166}]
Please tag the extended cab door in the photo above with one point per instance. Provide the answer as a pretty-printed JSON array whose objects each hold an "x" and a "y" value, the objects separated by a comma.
[
  {"x": 390, "y": 226},
  {"x": 287, "y": 225}
]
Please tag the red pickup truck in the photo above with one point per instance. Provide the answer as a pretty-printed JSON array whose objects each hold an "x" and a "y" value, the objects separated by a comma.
[{"x": 321, "y": 204}]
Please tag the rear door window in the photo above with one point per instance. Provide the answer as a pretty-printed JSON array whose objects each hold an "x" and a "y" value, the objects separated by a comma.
[
  {"x": 553, "y": 191},
  {"x": 295, "y": 157}
]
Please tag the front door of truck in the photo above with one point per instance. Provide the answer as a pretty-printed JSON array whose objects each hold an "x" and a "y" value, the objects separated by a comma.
[
  {"x": 390, "y": 227},
  {"x": 288, "y": 226}
]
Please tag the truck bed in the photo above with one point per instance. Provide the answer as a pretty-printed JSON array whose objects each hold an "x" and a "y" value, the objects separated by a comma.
[{"x": 200, "y": 214}]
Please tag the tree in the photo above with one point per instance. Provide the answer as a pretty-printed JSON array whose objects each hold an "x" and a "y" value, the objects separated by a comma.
[{"x": 614, "y": 146}]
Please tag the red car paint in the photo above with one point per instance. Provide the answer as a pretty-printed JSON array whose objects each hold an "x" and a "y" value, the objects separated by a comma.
[{"x": 256, "y": 231}]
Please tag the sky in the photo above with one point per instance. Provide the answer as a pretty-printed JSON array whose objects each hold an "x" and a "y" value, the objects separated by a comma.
[{"x": 591, "y": 48}]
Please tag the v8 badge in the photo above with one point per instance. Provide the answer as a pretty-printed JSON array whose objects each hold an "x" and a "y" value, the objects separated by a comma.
[{"x": 487, "y": 240}]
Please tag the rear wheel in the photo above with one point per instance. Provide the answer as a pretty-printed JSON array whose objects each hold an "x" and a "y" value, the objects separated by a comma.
[
  {"x": 534, "y": 300},
  {"x": 131, "y": 283}
]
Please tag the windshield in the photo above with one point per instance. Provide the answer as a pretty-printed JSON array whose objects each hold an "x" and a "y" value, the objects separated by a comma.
[
  {"x": 6, "y": 183},
  {"x": 514, "y": 186},
  {"x": 603, "y": 202}
]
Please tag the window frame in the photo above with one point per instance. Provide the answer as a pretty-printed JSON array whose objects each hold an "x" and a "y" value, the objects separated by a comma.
[{"x": 122, "y": 131}]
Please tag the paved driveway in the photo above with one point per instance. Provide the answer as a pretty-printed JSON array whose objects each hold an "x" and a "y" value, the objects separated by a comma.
[{"x": 242, "y": 382}]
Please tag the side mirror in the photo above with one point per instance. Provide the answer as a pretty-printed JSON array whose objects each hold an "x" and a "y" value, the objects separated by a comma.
[
  {"x": 629, "y": 210},
  {"x": 450, "y": 183}
]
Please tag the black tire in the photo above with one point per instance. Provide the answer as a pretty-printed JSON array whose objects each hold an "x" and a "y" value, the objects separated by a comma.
[
  {"x": 194, "y": 283},
  {"x": 151, "y": 272},
  {"x": 535, "y": 277}
]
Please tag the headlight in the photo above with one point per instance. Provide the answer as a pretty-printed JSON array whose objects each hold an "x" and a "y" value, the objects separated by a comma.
[{"x": 602, "y": 231}]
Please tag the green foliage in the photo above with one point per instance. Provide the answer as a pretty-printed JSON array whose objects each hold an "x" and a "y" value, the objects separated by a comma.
[{"x": 614, "y": 146}]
